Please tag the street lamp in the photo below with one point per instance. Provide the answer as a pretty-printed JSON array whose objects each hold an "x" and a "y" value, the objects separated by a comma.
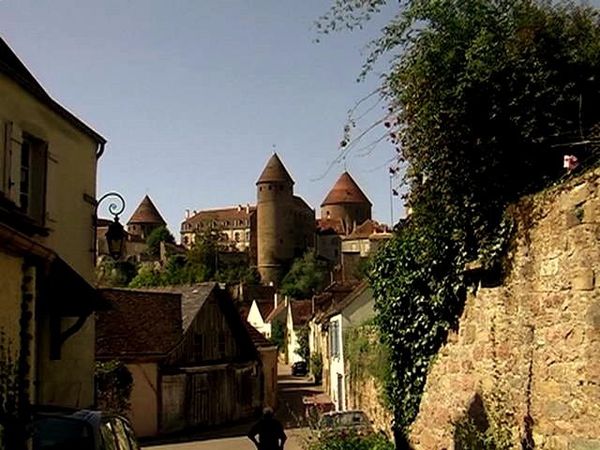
[{"x": 115, "y": 236}]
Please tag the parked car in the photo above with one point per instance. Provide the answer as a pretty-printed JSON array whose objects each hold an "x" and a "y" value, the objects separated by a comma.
[
  {"x": 299, "y": 369},
  {"x": 82, "y": 430},
  {"x": 346, "y": 421}
]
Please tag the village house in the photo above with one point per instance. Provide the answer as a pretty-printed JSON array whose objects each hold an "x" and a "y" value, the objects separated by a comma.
[
  {"x": 195, "y": 362},
  {"x": 48, "y": 162}
]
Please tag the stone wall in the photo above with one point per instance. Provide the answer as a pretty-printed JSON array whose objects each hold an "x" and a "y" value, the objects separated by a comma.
[{"x": 530, "y": 347}]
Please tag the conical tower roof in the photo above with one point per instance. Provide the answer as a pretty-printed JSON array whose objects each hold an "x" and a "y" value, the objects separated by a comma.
[
  {"x": 345, "y": 190},
  {"x": 274, "y": 171},
  {"x": 146, "y": 212}
]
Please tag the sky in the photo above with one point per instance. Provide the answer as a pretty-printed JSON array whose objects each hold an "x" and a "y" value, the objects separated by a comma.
[{"x": 193, "y": 96}]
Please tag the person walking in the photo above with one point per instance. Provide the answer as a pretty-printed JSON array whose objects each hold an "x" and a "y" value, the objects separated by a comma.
[{"x": 267, "y": 433}]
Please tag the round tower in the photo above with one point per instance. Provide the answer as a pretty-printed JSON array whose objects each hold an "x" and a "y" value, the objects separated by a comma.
[
  {"x": 274, "y": 220},
  {"x": 145, "y": 219},
  {"x": 347, "y": 203}
]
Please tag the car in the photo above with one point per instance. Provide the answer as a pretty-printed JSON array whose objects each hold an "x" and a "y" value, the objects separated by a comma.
[
  {"x": 82, "y": 430},
  {"x": 346, "y": 421},
  {"x": 299, "y": 369}
]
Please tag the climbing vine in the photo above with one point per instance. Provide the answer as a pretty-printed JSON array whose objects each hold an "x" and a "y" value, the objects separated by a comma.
[
  {"x": 114, "y": 383},
  {"x": 484, "y": 98},
  {"x": 366, "y": 357}
]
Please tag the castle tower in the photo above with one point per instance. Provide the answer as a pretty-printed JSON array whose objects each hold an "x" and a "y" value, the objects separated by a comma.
[
  {"x": 145, "y": 219},
  {"x": 274, "y": 209},
  {"x": 346, "y": 202}
]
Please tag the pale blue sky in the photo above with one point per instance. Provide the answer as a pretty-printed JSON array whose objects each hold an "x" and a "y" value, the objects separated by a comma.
[{"x": 192, "y": 95}]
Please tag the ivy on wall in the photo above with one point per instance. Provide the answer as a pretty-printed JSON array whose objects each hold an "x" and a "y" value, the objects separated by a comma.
[
  {"x": 366, "y": 357},
  {"x": 114, "y": 383}
]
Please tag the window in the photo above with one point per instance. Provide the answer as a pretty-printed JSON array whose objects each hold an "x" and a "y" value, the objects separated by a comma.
[
  {"x": 236, "y": 237},
  {"x": 247, "y": 235},
  {"x": 24, "y": 172},
  {"x": 334, "y": 338}
]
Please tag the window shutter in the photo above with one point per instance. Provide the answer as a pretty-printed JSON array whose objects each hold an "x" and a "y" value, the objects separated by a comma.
[{"x": 14, "y": 167}]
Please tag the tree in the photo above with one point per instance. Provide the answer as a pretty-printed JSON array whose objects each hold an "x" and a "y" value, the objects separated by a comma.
[
  {"x": 158, "y": 235},
  {"x": 306, "y": 276},
  {"x": 148, "y": 275},
  {"x": 485, "y": 97},
  {"x": 303, "y": 350},
  {"x": 111, "y": 273}
]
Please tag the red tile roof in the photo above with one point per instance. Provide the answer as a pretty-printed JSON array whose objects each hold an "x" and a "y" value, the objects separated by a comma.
[
  {"x": 230, "y": 213},
  {"x": 330, "y": 226},
  {"x": 366, "y": 229},
  {"x": 345, "y": 190},
  {"x": 138, "y": 324},
  {"x": 302, "y": 311},
  {"x": 146, "y": 212},
  {"x": 274, "y": 171},
  {"x": 258, "y": 339}
]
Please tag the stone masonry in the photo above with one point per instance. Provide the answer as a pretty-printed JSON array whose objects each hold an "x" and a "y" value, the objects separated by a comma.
[{"x": 530, "y": 347}]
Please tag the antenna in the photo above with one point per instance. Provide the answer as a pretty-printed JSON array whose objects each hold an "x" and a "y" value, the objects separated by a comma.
[{"x": 274, "y": 148}]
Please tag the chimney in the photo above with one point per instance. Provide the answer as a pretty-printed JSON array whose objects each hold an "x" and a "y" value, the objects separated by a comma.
[
  {"x": 187, "y": 213},
  {"x": 275, "y": 298},
  {"x": 247, "y": 208},
  {"x": 239, "y": 208}
]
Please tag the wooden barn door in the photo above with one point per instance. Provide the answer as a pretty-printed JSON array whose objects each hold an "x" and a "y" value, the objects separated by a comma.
[{"x": 198, "y": 401}]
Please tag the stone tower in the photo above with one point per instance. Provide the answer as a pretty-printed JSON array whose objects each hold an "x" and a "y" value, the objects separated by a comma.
[
  {"x": 347, "y": 203},
  {"x": 145, "y": 219},
  {"x": 274, "y": 209}
]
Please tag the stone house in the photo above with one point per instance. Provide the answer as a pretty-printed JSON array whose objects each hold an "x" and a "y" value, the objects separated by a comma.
[
  {"x": 48, "y": 162},
  {"x": 209, "y": 369},
  {"x": 258, "y": 313}
]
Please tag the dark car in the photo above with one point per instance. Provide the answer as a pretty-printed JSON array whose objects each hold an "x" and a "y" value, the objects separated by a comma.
[
  {"x": 82, "y": 430},
  {"x": 299, "y": 369},
  {"x": 346, "y": 421}
]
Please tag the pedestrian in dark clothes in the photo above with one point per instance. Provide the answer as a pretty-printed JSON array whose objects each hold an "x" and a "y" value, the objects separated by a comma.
[{"x": 267, "y": 433}]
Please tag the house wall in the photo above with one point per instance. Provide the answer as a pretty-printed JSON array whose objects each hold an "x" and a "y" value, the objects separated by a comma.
[
  {"x": 256, "y": 320},
  {"x": 292, "y": 339},
  {"x": 71, "y": 174},
  {"x": 11, "y": 270},
  {"x": 268, "y": 357},
  {"x": 144, "y": 398},
  {"x": 530, "y": 346},
  {"x": 208, "y": 339},
  {"x": 336, "y": 365}
]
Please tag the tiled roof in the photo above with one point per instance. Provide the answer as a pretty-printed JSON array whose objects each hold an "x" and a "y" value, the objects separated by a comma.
[
  {"x": 345, "y": 190},
  {"x": 139, "y": 323},
  {"x": 230, "y": 213},
  {"x": 336, "y": 308},
  {"x": 302, "y": 311},
  {"x": 258, "y": 339},
  {"x": 366, "y": 229},
  {"x": 193, "y": 298},
  {"x": 11, "y": 65},
  {"x": 277, "y": 311},
  {"x": 146, "y": 212},
  {"x": 331, "y": 296},
  {"x": 265, "y": 307},
  {"x": 330, "y": 226},
  {"x": 274, "y": 171}
]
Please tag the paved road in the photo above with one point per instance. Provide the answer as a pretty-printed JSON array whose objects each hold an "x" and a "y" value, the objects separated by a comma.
[
  {"x": 289, "y": 412},
  {"x": 294, "y": 442}
]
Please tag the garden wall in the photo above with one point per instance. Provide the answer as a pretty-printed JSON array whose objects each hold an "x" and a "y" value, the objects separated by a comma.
[{"x": 527, "y": 353}]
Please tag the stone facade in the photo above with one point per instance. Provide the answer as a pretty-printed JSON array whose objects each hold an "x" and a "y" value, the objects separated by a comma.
[{"x": 529, "y": 348}]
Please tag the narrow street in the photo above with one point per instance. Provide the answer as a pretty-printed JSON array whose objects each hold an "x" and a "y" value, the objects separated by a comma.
[{"x": 290, "y": 412}]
